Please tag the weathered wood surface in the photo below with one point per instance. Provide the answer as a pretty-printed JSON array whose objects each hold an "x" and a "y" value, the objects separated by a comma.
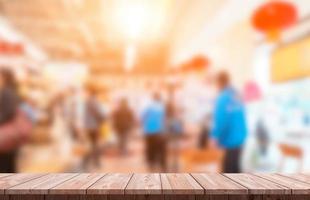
[
  {"x": 76, "y": 185},
  {"x": 8, "y": 182},
  {"x": 112, "y": 186},
  {"x": 174, "y": 183},
  {"x": 258, "y": 185},
  {"x": 144, "y": 184},
  {"x": 296, "y": 187},
  {"x": 214, "y": 183},
  {"x": 40, "y": 185}
]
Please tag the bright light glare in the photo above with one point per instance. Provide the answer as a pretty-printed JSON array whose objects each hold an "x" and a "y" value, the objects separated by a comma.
[
  {"x": 137, "y": 18},
  {"x": 132, "y": 18}
]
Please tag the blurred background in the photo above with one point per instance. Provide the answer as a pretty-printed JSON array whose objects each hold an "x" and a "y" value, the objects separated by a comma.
[{"x": 154, "y": 85}]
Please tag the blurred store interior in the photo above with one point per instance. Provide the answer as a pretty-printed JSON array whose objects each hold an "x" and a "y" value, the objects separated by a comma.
[{"x": 95, "y": 78}]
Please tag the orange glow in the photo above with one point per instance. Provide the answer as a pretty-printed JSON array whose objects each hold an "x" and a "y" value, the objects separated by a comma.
[{"x": 130, "y": 55}]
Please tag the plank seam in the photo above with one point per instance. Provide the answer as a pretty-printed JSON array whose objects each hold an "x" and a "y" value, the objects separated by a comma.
[
  {"x": 48, "y": 191},
  {"x": 5, "y": 190},
  {"x": 161, "y": 184},
  {"x": 293, "y": 178},
  {"x": 248, "y": 189},
  {"x": 204, "y": 190},
  {"x": 291, "y": 191},
  {"x": 132, "y": 174},
  {"x": 95, "y": 182}
]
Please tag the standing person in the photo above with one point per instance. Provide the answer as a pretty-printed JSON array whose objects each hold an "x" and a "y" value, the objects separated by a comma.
[
  {"x": 93, "y": 120},
  {"x": 123, "y": 121},
  {"x": 153, "y": 124},
  {"x": 174, "y": 128},
  {"x": 229, "y": 123},
  {"x": 9, "y": 103},
  {"x": 74, "y": 113},
  {"x": 204, "y": 132}
]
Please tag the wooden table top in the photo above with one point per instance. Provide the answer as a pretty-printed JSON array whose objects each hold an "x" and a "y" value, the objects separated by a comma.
[{"x": 154, "y": 183}]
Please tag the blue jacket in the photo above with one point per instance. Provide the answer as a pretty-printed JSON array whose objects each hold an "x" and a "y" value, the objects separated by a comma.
[
  {"x": 229, "y": 125},
  {"x": 153, "y": 118}
]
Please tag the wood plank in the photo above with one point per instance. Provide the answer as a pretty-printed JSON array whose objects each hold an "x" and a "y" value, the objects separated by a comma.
[
  {"x": 26, "y": 197},
  {"x": 77, "y": 184},
  {"x": 143, "y": 183},
  {"x": 138, "y": 197},
  {"x": 89, "y": 197},
  {"x": 297, "y": 187},
  {"x": 4, "y": 197},
  {"x": 67, "y": 197},
  {"x": 239, "y": 197},
  {"x": 110, "y": 184},
  {"x": 278, "y": 197},
  {"x": 301, "y": 177},
  {"x": 185, "y": 197},
  {"x": 215, "y": 183},
  {"x": 10, "y": 181},
  {"x": 257, "y": 185},
  {"x": 180, "y": 183},
  {"x": 40, "y": 185},
  {"x": 300, "y": 197},
  {"x": 5, "y": 174}
]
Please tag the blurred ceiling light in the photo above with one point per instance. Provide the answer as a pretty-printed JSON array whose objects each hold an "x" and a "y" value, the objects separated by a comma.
[{"x": 133, "y": 18}]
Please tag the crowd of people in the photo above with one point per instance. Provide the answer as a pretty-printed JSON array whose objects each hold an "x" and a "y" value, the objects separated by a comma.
[{"x": 159, "y": 121}]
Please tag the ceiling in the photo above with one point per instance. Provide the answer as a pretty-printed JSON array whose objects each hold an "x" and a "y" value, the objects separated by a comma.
[{"x": 87, "y": 30}]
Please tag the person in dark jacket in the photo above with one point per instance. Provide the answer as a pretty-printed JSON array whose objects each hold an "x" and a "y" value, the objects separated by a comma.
[
  {"x": 9, "y": 103},
  {"x": 123, "y": 122}
]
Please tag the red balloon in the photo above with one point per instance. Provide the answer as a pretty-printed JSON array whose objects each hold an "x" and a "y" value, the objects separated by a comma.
[
  {"x": 196, "y": 63},
  {"x": 275, "y": 15},
  {"x": 200, "y": 61}
]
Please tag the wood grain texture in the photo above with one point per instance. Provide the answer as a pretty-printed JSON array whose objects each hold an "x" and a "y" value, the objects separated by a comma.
[
  {"x": 255, "y": 197},
  {"x": 5, "y": 174},
  {"x": 257, "y": 185},
  {"x": 154, "y": 186},
  {"x": 4, "y": 197},
  {"x": 16, "y": 179},
  {"x": 26, "y": 197},
  {"x": 300, "y": 197},
  {"x": 65, "y": 197},
  {"x": 238, "y": 197},
  {"x": 180, "y": 197},
  {"x": 218, "y": 197},
  {"x": 40, "y": 185},
  {"x": 76, "y": 185},
  {"x": 173, "y": 183},
  {"x": 300, "y": 177},
  {"x": 297, "y": 187},
  {"x": 278, "y": 197},
  {"x": 215, "y": 183},
  {"x": 144, "y": 184},
  {"x": 92, "y": 197},
  {"x": 114, "y": 183},
  {"x": 140, "y": 197}
]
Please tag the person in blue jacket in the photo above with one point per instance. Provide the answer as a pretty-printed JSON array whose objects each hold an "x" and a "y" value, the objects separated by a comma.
[
  {"x": 229, "y": 129},
  {"x": 153, "y": 125}
]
